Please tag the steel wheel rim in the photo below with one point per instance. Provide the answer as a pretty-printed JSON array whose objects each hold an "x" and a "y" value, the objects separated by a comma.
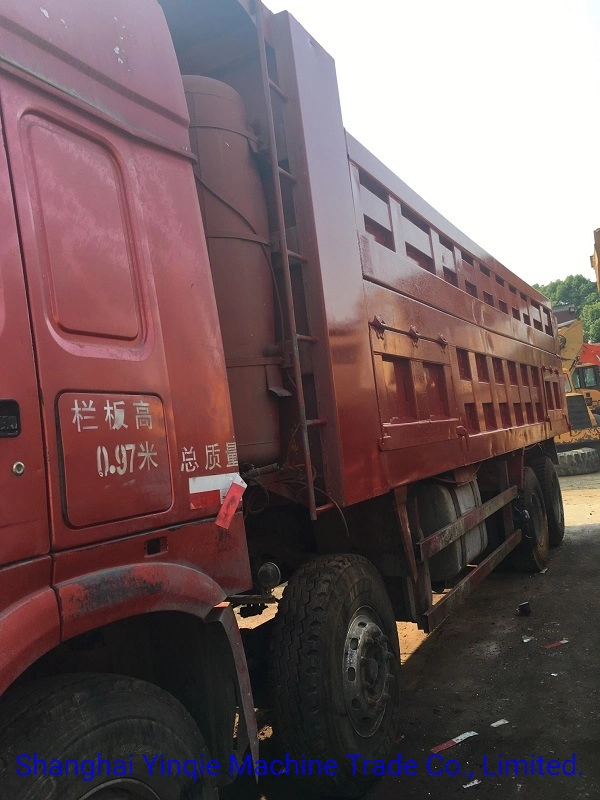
[{"x": 366, "y": 673}]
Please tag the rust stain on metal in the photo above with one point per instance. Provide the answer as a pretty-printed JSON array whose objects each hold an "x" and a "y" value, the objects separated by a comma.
[{"x": 105, "y": 591}]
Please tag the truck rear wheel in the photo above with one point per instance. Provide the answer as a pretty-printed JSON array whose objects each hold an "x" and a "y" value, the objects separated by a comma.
[
  {"x": 531, "y": 554},
  {"x": 85, "y": 718},
  {"x": 334, "y": 670},
  {"x": 549, "y": 484}
]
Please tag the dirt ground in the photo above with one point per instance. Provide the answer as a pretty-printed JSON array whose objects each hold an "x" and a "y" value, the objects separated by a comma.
[{"x": 476, "y": 669}]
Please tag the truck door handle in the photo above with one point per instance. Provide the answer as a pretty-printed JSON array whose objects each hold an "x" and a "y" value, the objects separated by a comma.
[{"x": 10, "y": 419}]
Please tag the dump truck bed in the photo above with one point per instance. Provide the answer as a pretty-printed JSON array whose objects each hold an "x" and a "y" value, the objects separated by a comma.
[{"x": 430, "y": 354}]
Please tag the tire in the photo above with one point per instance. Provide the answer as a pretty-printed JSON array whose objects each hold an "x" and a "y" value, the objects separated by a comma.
[
  {"x": 80, "y": 716},
  {"x": 581, "y": 461},
  {"x": 549, "y": 484},
  {"x": 531, "y": 554},
  {"x": 334, "y": 670}
]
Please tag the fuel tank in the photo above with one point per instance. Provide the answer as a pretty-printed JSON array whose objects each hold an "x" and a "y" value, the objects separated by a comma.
[
  {"x": 234, "y": 210},
  {"x": 440, "y": 505}
]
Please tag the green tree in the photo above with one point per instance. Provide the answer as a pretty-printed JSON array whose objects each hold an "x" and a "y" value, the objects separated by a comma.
[
  {"x": 590, "y": 319},
  {"x": 575, "y": 290}
]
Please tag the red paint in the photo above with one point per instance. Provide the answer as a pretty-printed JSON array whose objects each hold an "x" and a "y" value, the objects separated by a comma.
[
  {"x": 409, "y": 349},
  {"x": 208, "y": 501},
  {"x": 237, "y": 231},
  {"x": 108, "y": 595},
  {"x": 589, "y": 354},
  {"x": 222, "y": 556},
  {"x": 142, "y": 92},
  {"x": 24, "y": 529},
  {"x": 444, "y": 746},
  {"x": 175, "y": 314},
  {"x": 555, "y": 644},
  {"x": 113, "y": 446},
  {"x": 111, "y": 249},
  {"x": 29, "y": 617}
]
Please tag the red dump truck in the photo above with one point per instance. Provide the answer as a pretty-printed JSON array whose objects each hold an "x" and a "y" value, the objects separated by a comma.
[{"x": 208, "y": 289}]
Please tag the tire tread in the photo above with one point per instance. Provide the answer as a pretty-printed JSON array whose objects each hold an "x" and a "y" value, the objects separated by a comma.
[
  {"x": 525, "y": 557},
  {"x": 546, "y": 474},
  {"x": 295, "y": 657}
]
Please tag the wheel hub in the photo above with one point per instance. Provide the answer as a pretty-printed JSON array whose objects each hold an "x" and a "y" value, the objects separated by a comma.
[{"x": 366, "y": 671}]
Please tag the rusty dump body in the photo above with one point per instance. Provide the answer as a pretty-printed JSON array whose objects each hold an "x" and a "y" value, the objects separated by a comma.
[
  {"x": 201, "y": 275},
  {"x": 419, "y": 352}
]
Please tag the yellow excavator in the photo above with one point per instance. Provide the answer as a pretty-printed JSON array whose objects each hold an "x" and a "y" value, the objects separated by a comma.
[{"x": 582, "y": 385}]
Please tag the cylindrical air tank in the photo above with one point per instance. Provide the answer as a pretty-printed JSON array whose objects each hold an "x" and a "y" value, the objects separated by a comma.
[{"x": 237, "y": 231}]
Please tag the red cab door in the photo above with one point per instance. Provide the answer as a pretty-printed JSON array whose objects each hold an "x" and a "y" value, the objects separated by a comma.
[{"x": 24, "y": 526}]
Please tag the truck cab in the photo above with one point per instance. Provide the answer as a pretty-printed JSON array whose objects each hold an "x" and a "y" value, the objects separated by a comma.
[{"x": 117, "y": 440}]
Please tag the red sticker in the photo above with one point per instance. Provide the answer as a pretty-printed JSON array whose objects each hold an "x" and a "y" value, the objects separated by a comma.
[{"x": 230, "y": 504}]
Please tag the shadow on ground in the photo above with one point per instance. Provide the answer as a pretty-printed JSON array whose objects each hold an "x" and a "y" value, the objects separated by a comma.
[{"x": 477, "y": 669}]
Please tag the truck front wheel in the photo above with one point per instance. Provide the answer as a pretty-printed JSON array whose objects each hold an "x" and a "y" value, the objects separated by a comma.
[
  {"x": 334, "y": 671},
  {"x": 98, "y": 737}
]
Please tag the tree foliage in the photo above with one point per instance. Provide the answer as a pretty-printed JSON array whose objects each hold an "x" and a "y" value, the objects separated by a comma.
[
  {"x": 575, "y": 290},
  {"x": 590, "y": 319}
]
